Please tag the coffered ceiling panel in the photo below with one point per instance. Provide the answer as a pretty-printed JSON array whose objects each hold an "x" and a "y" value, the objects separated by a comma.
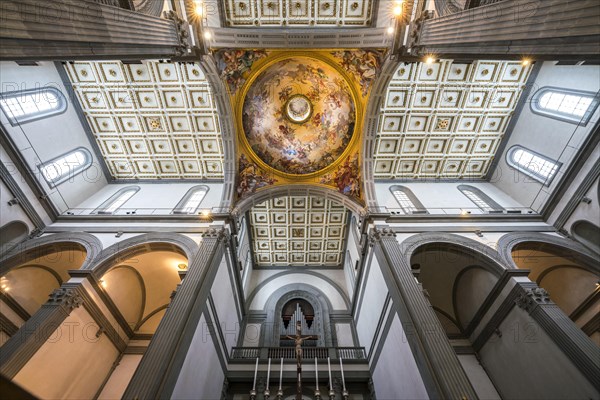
[
  {"x": 446, "y": 119},
  {"x": 151, "y": 120},
  {"x": 295, "y": 231},
  {"x": 298, "y": 13}
]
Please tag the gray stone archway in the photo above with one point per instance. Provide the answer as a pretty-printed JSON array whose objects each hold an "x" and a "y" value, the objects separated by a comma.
[
  {"x": 274, "y": 307},
  {"x": 35, "y": 248},
  {"x": 164, "y": 241}
]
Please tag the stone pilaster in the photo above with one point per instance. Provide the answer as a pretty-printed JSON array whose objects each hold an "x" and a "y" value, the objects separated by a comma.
[
  {"x": 158, "y": 371},
  {"x": 576, "y": 345},
  {"x": 441, "y": 370},
  {"x": 33, "y": 334}
]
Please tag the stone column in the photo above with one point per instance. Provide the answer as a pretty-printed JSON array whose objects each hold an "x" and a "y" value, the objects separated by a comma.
[
  {"x": 158, "y": 371},
  {"x": 511, "y": 29},
  {"x": 63, "y": 30},
  {"x": 440, "y": 368}
]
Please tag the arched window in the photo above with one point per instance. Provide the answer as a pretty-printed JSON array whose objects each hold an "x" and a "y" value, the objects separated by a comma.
[
  {"x": 407, "y": 200},
  {"x": 480, "y": 199},
  {"x": 65, "y": 167},
  {"x": 33, "y": 104},
  {"x": 117, "y": 200},
  {"x": 573, "y": 106},
  {"x": 540, "y": 168},
  {"x": 191, "y": 201}
]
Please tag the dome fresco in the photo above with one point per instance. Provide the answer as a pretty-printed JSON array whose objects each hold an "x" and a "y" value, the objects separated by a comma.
[{"x": 299, "y": 115}]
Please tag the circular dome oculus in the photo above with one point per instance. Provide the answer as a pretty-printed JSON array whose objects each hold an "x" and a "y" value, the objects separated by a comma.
[{"x": 298, "y": 115}]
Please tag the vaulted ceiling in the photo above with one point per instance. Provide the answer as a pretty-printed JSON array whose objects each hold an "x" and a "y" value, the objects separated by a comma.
[
  {"x": 298, "y": 231},
  {"x": 298, "y": 13},
  {"x": 446, "y": 119},
  {"x": 152, "y": 120}
]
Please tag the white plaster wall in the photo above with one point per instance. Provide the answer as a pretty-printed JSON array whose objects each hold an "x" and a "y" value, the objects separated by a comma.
[
  {"x": 152, "y": 198},
  {"x": 11, "y": 213},
  {"x": 201, "y": 375},
  {"x": 552, "y": 138},
  {"x": 396, "y": 376},
  {"x": 371, "y": 307},
  {"x": 440, "y": 196},
  {"x": 263, "y": 294},
  {"x": 42, "y": 140},
  {"x": 224, "y": 300}
]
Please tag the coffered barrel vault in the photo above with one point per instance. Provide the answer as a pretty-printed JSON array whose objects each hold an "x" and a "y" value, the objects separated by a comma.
[
  {"x": 446, "y": 119},
  {"x": 325, "y": 13},
  {"x": 151, "y": 120},
  {"x": 299, "y": 231}
]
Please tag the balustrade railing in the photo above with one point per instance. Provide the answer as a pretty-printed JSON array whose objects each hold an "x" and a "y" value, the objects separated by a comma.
[{"x": 289, "y": 353}]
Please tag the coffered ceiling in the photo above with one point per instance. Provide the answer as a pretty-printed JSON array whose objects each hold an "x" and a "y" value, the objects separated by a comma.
[
  {"x": 298, "y": 231},
  {"x": 446, "y": 120},
  {"x": 151, "y": 120},
  {"x": 298, "y": 13}
]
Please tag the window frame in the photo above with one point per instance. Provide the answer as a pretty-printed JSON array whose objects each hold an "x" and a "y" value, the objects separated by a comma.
[
  {"x": 101, "y": 209},
  {"x": 546, "y": 181},
  {"x": 61, "y": 108},
  {"x": 186, "y": 197},
  {"x": 71, "y": 173},
  {"x": 492, "y": 206},
  {"x": 419, "y": 208},
  {"x": 536, "y": 108}
]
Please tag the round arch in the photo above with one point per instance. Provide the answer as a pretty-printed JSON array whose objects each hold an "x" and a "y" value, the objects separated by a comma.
[
  {"x": 297, "y": 190},
  {"x": 36, "y": 248},
  {"x": 482, "y": 251},
  {"x": 11, "y": 234},
  {"x": 587, "y": 234},
  {"x": 283, "y": 295},
  {"x": 508, "y": 242},
  {"x": 164, "y": 241}
]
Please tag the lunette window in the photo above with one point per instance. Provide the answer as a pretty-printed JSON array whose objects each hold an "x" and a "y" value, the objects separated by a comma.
[
  {"x": 30, "y": 105},
  {"x": 407, "y": 200},
  {"x": 190, "y": 203},
  {"x": 117, "y": 200},
  {"x": 480, "y": 199},
  {"x": 573, "y": 106},
  {"x": 65, "y": 167},
  {"x": 535, "y": 165}
]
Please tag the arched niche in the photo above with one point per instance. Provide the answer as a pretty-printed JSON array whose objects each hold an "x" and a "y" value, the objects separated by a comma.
[
  {"x": 587, "y": 234},
  {"x": 457, "y": 279},
  {"x": 140, "y": 274},
  {"x": 568, "y": 271},
  {"x": 11, "y": 234},
  {"x": 313, "y": 296},
  {"x": 137, "y": 278},
  {"x": 33, "y": 270},
  {"x": 141, "y": 286}
]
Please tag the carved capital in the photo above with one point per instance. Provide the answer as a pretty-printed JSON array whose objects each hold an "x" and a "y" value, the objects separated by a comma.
[
  {"x": 532, "y": 297},
  {"x": 219, "y": 234},
  {"x": 378, "y": 234},
  {"x": 68, "y": 298},
  {"x": 181, "y": 27}
]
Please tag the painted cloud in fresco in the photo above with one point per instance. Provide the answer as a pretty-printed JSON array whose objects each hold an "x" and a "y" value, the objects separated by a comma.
[{"x": 299, "y": 148}]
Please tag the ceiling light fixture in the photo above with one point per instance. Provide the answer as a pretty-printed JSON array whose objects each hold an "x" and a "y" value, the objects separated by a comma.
[
  {"x": 525, "y": 62},
  {"x": 103, "y": 283},
  {"x": 398, "y": 10},
  {"x": 182, "y": 266},
  {"x": 207, "y": 35},
  {"x": 429, "y": 60},
  {"x": 390, "y": 30}
]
